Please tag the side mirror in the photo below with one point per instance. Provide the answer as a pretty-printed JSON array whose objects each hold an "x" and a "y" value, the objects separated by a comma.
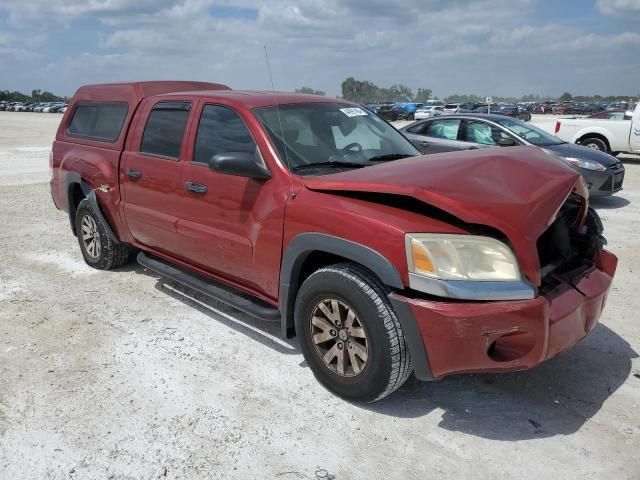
[
  {"x": 507, "y": 142},
  {"x": 241, "y": 164}
]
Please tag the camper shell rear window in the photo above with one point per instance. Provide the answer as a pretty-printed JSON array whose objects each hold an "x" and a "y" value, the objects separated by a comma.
[{"x": 100, "y": 121}]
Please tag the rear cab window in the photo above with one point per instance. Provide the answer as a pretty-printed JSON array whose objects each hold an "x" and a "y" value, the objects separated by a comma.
[
  {"x": 101, "y": 122},
  {"x": 164, "y": 130}
]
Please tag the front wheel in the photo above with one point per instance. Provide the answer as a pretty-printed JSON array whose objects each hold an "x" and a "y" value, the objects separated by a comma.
[
  {"x": 349, "y": 334},
  {"x": 98, "y": 248}
]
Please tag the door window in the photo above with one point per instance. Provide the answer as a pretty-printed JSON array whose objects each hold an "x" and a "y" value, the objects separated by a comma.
[
  {"x": 483, "y": 133},
  {"x": 445, "y": 129},
  {"x": 221, "y": 130},
  {"x": 165, "y": 128},
  {"x": 419, "y": 128}
]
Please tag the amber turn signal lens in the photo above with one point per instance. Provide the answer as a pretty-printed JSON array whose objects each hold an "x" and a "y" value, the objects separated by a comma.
[{"x": 421, "y": 259}]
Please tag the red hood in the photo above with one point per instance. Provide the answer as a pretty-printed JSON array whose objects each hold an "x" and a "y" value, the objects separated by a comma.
[{"x": 517, "y": 190}]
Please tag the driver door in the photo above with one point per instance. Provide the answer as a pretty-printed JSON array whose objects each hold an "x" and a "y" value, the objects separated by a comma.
[{"x": 231, "y": 226}]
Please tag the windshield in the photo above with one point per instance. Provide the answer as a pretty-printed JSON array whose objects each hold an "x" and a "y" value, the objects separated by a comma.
[
  {"x": 531, "y": 134},
  {"x": 318, "y": 136}
]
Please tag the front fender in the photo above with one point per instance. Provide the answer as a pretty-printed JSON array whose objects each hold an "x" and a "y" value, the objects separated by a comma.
[{"x": 304, "y": 244}]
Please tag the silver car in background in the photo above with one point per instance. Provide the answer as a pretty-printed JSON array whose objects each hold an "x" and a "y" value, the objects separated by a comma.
[
  {"x": 428, "y": 112},
  {"x": 602, "y": 172}
]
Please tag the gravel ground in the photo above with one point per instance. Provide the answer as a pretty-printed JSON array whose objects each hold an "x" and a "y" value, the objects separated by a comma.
[{"x": 117, "y": 375}]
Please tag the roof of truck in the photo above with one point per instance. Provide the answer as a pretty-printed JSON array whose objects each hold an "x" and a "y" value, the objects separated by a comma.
[
  {"x": 260, "y": 98},
  {"x": 133, "y": 92}
]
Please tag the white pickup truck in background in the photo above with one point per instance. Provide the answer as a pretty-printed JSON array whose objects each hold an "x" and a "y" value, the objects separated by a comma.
[{"x": 612, "y": 136}]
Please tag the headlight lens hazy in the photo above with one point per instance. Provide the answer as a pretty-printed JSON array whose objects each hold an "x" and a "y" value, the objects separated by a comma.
[{"x": 460, "y": 257}]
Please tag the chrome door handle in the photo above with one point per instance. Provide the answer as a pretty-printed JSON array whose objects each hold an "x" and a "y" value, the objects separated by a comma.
[{"x": 195, "y": 187}]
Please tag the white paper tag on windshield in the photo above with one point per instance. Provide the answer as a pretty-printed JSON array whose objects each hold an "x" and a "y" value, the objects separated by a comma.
[{"x": 354, "y": 112}]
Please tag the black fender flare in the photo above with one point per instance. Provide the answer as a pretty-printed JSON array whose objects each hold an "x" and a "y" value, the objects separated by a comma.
[
  {"x": 90, "y": 195},
  {"x": 303, "y": 245}
]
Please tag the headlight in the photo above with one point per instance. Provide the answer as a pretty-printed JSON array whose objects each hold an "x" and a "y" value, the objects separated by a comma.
[
  {"x": 460, "y": 257},
  {"x": 588, "y": 164}
]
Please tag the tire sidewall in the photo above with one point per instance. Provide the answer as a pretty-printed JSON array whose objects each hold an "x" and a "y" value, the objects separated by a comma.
[{"x": 374, "y": 378}]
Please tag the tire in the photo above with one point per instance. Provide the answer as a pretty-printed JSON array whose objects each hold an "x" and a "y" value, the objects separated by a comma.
[
  {"x": 346, "y": 287},
  {"x": 105, "y": 254},
  {"x": 595, "y": 143},
  {"x": 411, "y": 116}
]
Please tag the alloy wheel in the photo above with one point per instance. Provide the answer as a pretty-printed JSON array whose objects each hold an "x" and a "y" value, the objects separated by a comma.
[
  {"x": 90, "y": 236},
  {"x": 339, "y": 337}
]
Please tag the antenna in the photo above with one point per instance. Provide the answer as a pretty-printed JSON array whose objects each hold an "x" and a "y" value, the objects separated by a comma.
[{"x": 284, "y": 141}]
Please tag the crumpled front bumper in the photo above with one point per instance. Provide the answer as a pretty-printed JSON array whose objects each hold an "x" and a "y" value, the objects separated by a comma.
[{"x": 463, "y": 337}]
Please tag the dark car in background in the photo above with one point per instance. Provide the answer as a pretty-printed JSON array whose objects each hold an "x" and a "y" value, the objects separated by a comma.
[
  {"x": 386, "y": 112},
  {"x": 603, "y": 173},
  {"x": 514, "y": 111}
]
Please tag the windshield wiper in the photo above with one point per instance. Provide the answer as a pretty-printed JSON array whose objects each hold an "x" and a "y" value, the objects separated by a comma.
[
  {"x": 391, "y": 156},
  {"x": 328, "y": 163}
]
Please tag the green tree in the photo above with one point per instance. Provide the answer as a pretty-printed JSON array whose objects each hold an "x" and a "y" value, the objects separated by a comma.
[
  {"x": 566, "y": 97},
  {"x": 401, "y": 93},
  {"x": 310, "y": 91},
  {"x": 422, "y": 95},
  {"x": 360, "y": 91}
]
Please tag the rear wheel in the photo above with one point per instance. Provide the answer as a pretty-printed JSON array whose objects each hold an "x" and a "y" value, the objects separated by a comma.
[
  {"x": 595, "y": 144},
  {"x": 349, "y": 334},
  {"x": 98, "y": 248}
]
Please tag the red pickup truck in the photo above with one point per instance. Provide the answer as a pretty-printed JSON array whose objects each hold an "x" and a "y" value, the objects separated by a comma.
[{"x": 316, "y": 213}]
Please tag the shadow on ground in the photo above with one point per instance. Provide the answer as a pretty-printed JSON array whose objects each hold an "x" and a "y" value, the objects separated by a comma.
[
  {"x": 556, "y": 398},
  {"x": 266, "y": 332},
  {"x": 608, "y": 203}
]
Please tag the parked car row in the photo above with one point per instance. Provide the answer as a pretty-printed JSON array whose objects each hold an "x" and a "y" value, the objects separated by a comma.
[
  {"x": 508, "y": 110},
  {"x": 45, "y": 107},
  {"x": 395, "y": 111},
  {"x": 580, "y": 108}
]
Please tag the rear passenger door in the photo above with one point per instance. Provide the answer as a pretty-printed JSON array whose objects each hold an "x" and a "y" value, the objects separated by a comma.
[
  {"x": 150, "y": 173},
  {"x": 436, "y": 136}
]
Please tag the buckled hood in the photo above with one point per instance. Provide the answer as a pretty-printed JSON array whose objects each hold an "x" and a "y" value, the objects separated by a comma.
[{"x": 516, "y": 190}]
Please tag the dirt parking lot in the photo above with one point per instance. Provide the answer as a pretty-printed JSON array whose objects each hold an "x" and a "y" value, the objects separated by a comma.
[{"x": 117, "y": 375}]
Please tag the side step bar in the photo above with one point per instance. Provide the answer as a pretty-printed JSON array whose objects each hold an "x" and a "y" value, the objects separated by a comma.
[{"x": 238, "y": 300}]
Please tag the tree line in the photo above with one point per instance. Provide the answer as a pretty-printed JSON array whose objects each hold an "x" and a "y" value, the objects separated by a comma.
[
  {"x": 361, "y": 91},
  {"x": 36, "y": 96},
  {"x": 364, "y": 91}
]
